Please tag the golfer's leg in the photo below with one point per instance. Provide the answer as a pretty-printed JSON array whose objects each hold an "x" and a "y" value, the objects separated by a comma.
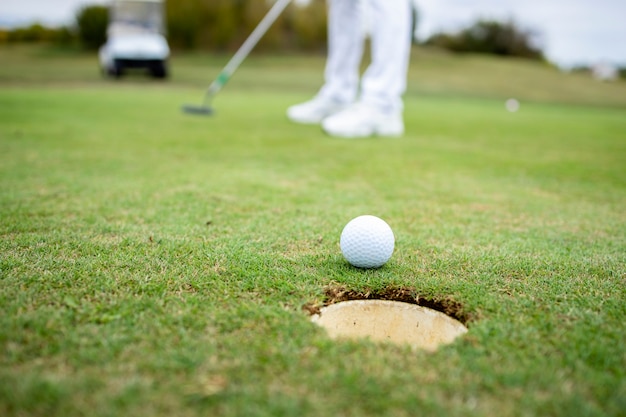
[
  {"x": 345, "y": 50},
  {"x": 341, "y": 76},
  {"x": 384, "y": 82}
]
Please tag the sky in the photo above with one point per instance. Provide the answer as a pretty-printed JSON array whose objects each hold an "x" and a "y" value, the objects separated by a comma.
[{"x": 572, "y": 32}]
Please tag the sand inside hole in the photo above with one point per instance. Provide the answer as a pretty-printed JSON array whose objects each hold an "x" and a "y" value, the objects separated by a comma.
[{"x": 389, "y": 321}]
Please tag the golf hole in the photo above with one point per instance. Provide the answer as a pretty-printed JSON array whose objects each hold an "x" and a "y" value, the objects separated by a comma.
[{"x": 384, "y": 320}]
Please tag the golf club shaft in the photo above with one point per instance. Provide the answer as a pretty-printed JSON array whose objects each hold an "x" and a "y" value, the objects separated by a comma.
[{"x": 245, "y": 49}]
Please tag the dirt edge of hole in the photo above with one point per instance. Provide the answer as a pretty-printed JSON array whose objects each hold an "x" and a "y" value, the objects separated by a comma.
[{"x": 336, "y": 293}]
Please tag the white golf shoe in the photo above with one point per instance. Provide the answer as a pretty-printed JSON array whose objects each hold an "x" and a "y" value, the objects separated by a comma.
[
  {"x": 314, "y": 111},
  {"x": 361, "y": 120}
]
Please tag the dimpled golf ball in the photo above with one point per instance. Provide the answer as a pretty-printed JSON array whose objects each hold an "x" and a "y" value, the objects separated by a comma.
[{"x": 367, "y": 242}]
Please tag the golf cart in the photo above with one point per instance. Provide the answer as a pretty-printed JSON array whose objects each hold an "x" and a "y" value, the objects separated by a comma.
[{"x": 135, "y": 38}]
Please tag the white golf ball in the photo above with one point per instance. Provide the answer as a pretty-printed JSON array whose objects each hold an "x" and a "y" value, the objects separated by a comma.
[
  {"x": 367, "y": 242},
  {"x": 512, "y": 105}
]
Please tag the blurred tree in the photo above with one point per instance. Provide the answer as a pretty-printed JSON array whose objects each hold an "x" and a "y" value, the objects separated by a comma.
[
  {"x": 63, "y": 36},
  {"x": 32, "y": 33},
  {"x": 307, "y": 27},
  {"x": 217, "y": 25},
  {"x": 184, "y": 22},
  {"x": 490, "y": 37},
  {"x": 92, "y": 24},
  {"x": 223, "y": 19},
  {"x": 253, "y": 12},
  {"x": 224, "y": 24},
  {"x": 38, "y": 33}
]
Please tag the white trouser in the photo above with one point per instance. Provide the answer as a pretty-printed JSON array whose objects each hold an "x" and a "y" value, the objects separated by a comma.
[{"x": 384, "y": 81}]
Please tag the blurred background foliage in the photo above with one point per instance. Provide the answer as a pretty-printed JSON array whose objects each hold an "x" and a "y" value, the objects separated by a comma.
[
  {"x": 210, "y": 25},
  {"x": 492, "y": 37},
  {"x": 223, "y": 25}
]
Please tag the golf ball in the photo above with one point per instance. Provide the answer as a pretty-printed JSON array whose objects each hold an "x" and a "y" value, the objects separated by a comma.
[
  {"x": 512, "y": 105},
  {"x": 367, "y": 242}
]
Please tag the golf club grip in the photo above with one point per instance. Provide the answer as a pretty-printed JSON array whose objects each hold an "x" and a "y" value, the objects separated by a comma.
[{"x": 248, "y": 45}]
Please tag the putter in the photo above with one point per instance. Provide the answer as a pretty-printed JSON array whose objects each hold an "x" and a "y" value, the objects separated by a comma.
[{"x": 205, "y": 108}]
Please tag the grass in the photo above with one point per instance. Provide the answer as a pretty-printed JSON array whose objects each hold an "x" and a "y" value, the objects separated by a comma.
[{"x": 157, "y": 264}]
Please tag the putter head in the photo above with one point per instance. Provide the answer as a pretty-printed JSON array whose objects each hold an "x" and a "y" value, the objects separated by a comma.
[{"x": 197, "y": 110}]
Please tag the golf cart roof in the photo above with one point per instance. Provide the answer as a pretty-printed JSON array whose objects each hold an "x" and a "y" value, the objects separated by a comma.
[{"x": 136, "y": 16}]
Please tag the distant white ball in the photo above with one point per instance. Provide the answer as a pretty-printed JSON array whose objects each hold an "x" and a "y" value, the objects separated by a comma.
[
  {"x": 512, "y": 105},
  {"x": 367, "y": 242}
]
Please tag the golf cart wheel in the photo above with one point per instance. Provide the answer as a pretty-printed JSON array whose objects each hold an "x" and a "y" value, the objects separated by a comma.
[
  {"x": 158, "y": 70},
  {"x": 117, "y": 70}
]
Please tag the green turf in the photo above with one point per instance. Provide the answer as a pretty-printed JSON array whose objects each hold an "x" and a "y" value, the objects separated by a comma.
[{"x": 156, "y": 264}]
